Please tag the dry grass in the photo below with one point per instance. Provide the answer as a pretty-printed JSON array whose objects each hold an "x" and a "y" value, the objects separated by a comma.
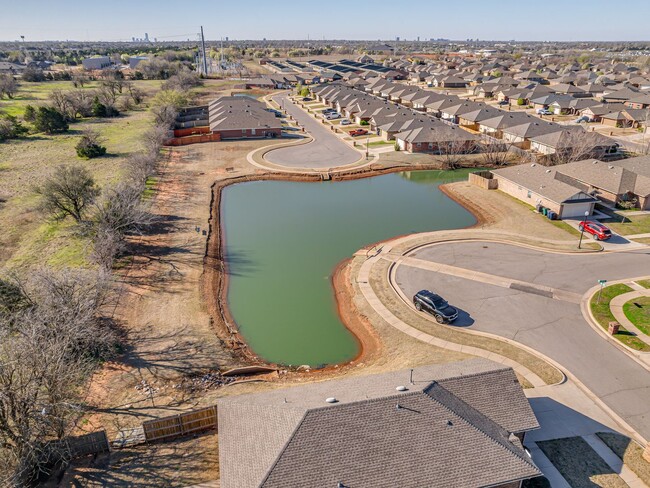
[
  {"x": 634, "y": 224},
  {"x": 579, "y": 464},
  {"x": 629, "y": 451}
]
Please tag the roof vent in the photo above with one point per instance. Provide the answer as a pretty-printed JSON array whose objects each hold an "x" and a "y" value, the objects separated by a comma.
[
  {"x": 401, "y": 388},
  {"x": 610, "y": 166},
  {"x": 548, "y": 170},
  {"x": 331, "y": 400},
  {"x": 450, "y": 423},
  {"x": 533, "y": 165}
]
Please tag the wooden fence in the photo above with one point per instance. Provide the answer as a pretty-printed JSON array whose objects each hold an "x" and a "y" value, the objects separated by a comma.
[
  {"x": 82, "y": 445},
  {"x": 177, "y": 425},
  {"x": 484, "y": 180}
]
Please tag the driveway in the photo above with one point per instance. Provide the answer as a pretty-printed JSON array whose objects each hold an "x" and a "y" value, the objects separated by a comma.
[
  {"x": 616, "y": 243},
  {"x": 326, "y": 151},
  {"x": 544, "y": 315}
]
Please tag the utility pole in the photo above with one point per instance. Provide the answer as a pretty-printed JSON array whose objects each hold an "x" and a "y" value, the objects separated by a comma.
[
  {"x": 205, "y": 58},
  {"x": 221, "y": 57}
]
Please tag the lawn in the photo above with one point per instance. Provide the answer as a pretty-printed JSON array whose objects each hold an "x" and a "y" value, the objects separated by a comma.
[
  {"x": 603, "y": 315},
  {"x": 579, "y": 464},
  {"x": 644, "y": 283},
  {"x": 634, "y": 224},
  {"x": 637, "y": 311},
  {"x": 629, "y": 451}
]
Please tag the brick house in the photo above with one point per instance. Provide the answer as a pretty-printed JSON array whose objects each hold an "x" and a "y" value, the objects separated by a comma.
[{"x": 459, "y": 424}]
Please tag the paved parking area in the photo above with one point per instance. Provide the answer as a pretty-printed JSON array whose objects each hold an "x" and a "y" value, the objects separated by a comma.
[
  {"x": 553, "y": 326},
  {"x": 326, "y": 151}
]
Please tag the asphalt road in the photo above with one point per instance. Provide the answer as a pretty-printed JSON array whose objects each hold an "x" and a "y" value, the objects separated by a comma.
[
  {"x": 554, "y": 327},
  {"x": 326, "y": 151}
]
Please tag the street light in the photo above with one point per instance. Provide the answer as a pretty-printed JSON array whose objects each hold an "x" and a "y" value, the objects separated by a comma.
[
  {"x": 582, "y": 230},
  {"x": 367, "y": 145}
]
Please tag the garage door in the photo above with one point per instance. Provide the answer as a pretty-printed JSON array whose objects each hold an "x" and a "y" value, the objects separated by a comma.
[{"x": 575, "y": 210}]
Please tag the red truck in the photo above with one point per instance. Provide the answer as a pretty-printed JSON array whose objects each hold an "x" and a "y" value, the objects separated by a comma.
[
  {"x": 597, "y": 230},
  {"x": 358, "y": 132}
]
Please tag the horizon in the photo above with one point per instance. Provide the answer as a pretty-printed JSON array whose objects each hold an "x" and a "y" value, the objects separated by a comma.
[{"x": 75, "y": 21}]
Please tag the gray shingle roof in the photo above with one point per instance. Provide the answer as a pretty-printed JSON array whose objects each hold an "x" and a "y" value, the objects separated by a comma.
[{"x": 452, "y": 427}]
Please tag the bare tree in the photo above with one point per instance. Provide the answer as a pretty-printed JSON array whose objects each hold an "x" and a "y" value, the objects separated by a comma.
[
  {"x": 68, "y": 192},
  {"x": 136, "y": 94},
  {"x": 495, "y": 153},
  {"x": 8, "y": 86},
  {"x": 576, "y": 145},
  {"x": 45, "y": 355},
  {"x": 61, "y": 101},
  {"x": 164, "y": 115},
  {"x": 452, "y": 145}
]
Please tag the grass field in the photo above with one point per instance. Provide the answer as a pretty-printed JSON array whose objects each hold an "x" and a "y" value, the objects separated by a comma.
[
  {"x": 28, "y": 237},
  {"x": 637, "y": 311},
  {"x": 603, "y": 315},
  {"x": 579, "y": 464},
  {"x": 644, "y": 283},
  {"x": 37, "y": 93}
]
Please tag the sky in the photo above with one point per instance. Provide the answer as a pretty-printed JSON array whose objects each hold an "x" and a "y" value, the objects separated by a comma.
[{"x": 120, "y": 20}]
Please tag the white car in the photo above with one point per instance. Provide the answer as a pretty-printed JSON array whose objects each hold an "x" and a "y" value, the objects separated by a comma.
[
  {"x": 333, "y": 115},
  {"x": 345, "y": 122}
]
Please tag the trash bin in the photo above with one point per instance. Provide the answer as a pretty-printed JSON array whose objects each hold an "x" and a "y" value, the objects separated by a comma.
[
  {"x": 538, "y": 207},
  {"x": 551, "y": 215},
  {"x": 544, "y": 211}
]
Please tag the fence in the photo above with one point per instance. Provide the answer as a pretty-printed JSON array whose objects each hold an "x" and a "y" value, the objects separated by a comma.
[
  {"x": 74, "y": 447},
  {"x": 195, "y": 139},
  {"x": 177, "y": 425},
  {"x": 483, "y": 179}
]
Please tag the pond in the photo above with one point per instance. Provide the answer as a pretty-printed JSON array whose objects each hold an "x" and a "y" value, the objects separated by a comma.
[{"x": 283, "y": 240}]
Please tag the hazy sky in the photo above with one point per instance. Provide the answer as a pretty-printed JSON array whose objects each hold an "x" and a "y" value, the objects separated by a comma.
[{"x": 115, "y": 20}]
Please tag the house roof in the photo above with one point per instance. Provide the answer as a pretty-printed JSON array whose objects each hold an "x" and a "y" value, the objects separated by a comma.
[
  {"x": 377, "y": 436},
  {"x": 233, "y": 113},
  {"x": 541, "y": 180},
  {"x": 632, "y": 174}
]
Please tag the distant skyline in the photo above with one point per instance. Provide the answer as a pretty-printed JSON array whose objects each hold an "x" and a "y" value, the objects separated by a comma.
[{"x": 120, "y": 20}]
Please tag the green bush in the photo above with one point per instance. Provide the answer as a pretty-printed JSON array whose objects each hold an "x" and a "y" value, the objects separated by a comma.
[
  {"x": 521, "y": 101},
  {"x": 90, "y": 146},
  {"x": 11, "y": 128},
  {"x": 30, "y": 114},
  {"x": 364, "y": 122},
  {"x": 50, "y": 120}
]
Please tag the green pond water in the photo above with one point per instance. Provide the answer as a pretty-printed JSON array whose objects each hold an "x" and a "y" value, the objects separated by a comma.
[{"x": 284, "y": 239}]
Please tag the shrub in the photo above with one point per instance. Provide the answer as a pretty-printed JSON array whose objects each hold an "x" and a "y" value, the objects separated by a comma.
[
  {"x": 33, "y": 75},
  {"x": 68, "y": 192},
  {"x": 98, "y": 109},
  {"x": 90, "y": 146},
  {"x": 11, "y": 128},
  {"x": 364, "y": 122},
  {"x": 521, "y": 101},
  {"x": 30, "y": 114},
  {"x": 50, "y": 120}
]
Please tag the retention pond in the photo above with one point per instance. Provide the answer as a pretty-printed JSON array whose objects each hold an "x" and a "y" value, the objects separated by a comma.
[{"x": 284, "y": 239}]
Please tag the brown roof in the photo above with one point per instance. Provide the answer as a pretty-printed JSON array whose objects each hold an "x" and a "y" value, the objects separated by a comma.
[{"x": 375, "y": 435}]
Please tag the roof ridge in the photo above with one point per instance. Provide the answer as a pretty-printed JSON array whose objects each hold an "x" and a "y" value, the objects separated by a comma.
[{"x": 506, "y": 446}]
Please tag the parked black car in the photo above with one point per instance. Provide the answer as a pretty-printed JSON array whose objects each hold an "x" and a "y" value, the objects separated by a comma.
[{"x": 436, "y": 305}]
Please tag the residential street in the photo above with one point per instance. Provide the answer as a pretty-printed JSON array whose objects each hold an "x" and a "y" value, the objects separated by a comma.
[
  {"x": 326, "y": 151},
  {"x": 554, "y": 326}
]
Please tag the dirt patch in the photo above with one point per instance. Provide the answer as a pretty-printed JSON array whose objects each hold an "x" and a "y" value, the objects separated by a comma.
[{"x": 184, "y": 462}]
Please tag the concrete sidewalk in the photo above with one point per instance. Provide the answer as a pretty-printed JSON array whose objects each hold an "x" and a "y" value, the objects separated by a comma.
[{"x": 616, "y": 306}]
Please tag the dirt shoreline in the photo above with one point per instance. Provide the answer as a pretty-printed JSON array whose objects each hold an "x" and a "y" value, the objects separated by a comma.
[
  {"x": 214, "y": 278},
  {"x": 482, "y": 218}
]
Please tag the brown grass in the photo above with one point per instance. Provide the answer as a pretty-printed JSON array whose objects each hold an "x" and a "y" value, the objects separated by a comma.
[
  {"x": 629, "y": 451},
  {"x": 579, "y": 464}
]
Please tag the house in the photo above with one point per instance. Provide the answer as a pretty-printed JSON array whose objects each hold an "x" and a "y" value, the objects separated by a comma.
[
  {"x": 437, "y": 138},
  {"x": 11, "y": 68},
  {"x": 97, "y": 62},
  {"x": 538, "y": 185},
  {"x": 639, "y": 102},
  {"x": 459, "y": 424},
  {"x": 134, "y": 61},
  {"x": 574, "y": 141},
  {"x": 264, "y": 83},
  {"x": 240, "y": 117},
  {"x": 520, "y": 135},
  {"x": 625, "y": 118},
  {"x": 625, "y": 179}
]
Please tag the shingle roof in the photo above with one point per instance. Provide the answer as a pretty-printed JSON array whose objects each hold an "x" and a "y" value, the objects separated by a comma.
[{"x": 450, "y": 413}]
